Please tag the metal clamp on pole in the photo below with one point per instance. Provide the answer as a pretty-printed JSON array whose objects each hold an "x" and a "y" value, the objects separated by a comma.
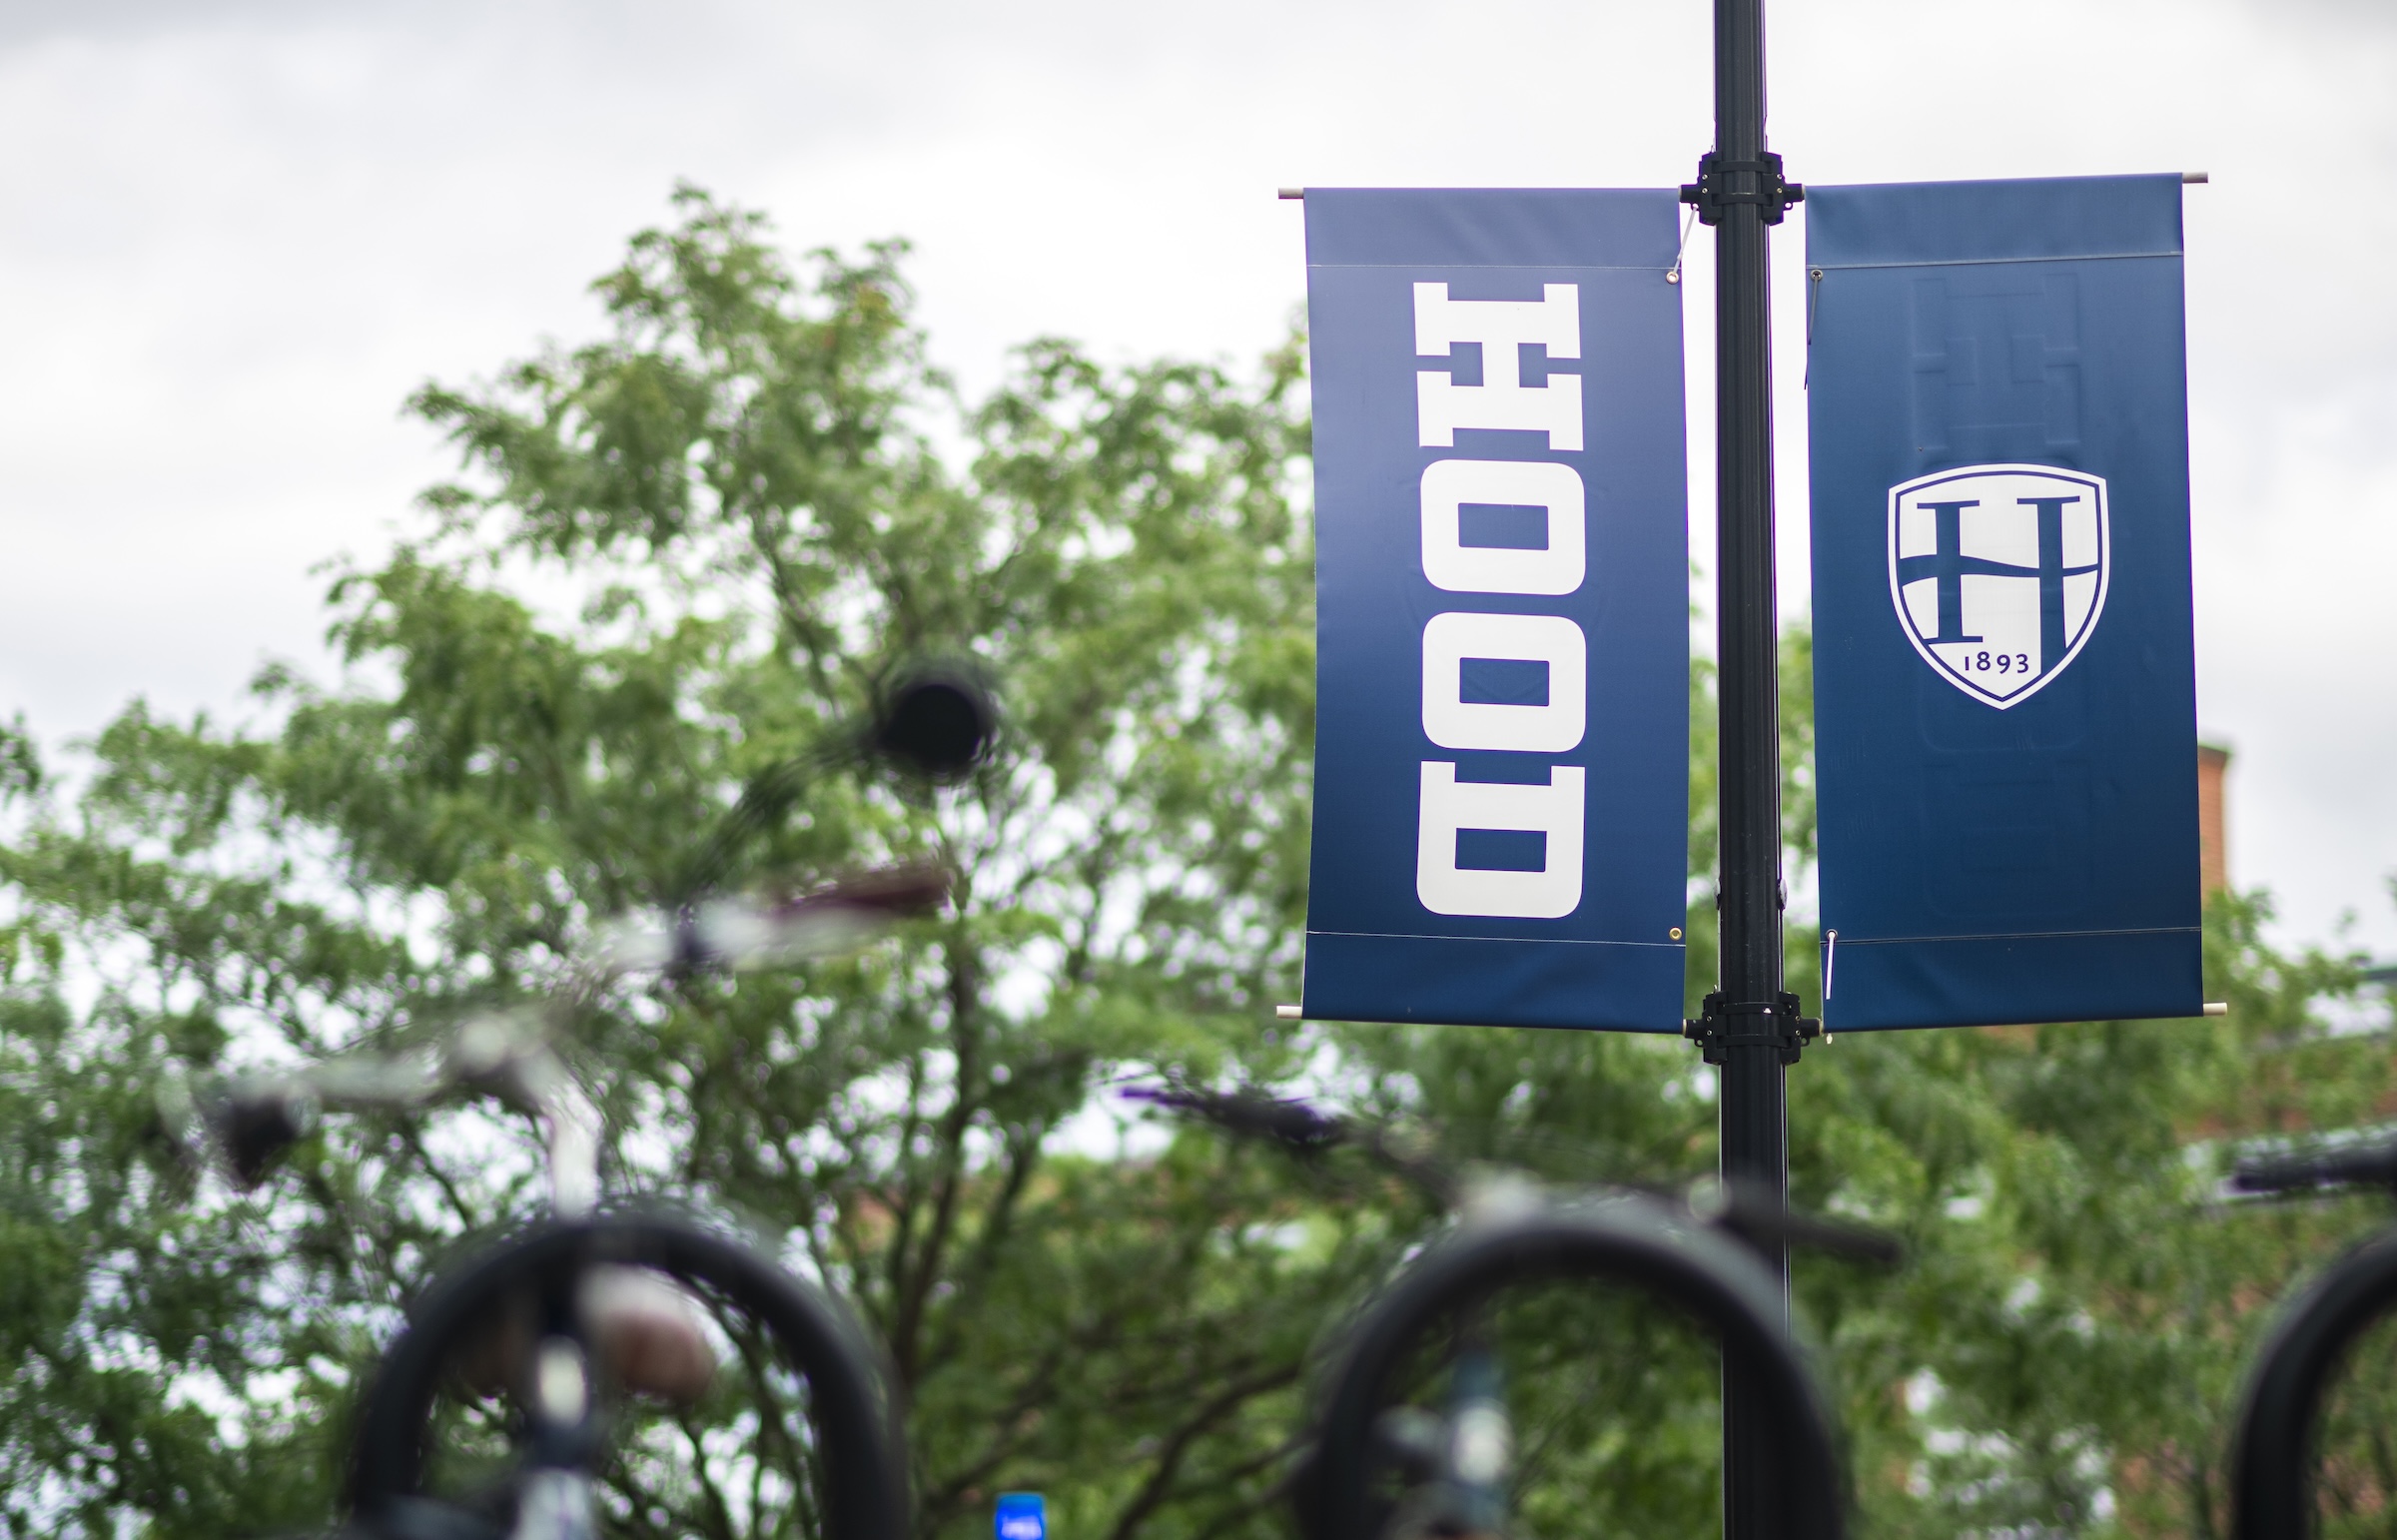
[
  {"x": 1776, "y": 1026},
  {"x": 1764, "y": 185}
]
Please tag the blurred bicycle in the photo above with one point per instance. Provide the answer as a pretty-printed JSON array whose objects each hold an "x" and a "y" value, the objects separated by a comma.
[
  {"x": 1530, "y": 1372},
  {"x": 2315, "y": 1452},
  {"x": 626, "y": 1370}
]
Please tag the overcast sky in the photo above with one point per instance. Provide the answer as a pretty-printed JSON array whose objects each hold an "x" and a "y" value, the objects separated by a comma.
[{"x": 233, "y": 237}]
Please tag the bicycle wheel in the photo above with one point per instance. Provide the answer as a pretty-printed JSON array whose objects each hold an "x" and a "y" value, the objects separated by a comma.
[
  {"x": 2316, "y": 1448},
  {"x": 1587, "y": 1341},
  {"x": 795, "y": 1435}
]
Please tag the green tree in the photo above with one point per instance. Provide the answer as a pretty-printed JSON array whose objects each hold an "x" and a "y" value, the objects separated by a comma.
[{"x": 736, "y": 517}]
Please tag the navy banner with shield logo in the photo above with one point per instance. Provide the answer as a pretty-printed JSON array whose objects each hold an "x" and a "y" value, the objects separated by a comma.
[
  {"x": 2005, "y": 691},
  {"x": 1501, "y": 770}
]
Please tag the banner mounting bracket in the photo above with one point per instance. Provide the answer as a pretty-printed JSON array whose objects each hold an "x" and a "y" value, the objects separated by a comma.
[
  {"x": 1722, "y": 183},
  {"x": 1778, "y": 1024}
]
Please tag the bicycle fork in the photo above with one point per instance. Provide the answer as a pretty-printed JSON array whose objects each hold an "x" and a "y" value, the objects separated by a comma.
[
  {"x": 1481, "y": 1442},
  {"x": 1465, "y": 1455},
  {"x": 555, "y": 1500}
]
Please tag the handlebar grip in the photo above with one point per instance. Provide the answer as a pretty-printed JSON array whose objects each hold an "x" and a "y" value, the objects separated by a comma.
[
  {"x": 916, "y": 888},
  {"x": 1253, "y": 1114},
  {"x": 1760, "y": 1216},
  {"x": 745, "y": 933},
  {"x": 254, "y": 1126},
  {"x": 2372, "y": 1166}
]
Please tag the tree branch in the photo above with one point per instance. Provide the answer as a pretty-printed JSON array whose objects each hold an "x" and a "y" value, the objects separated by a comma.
[{"x": 1160, "y": 1485}]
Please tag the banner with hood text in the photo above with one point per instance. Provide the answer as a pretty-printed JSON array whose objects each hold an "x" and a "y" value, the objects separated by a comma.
[{"x": 1501, "y": 802}]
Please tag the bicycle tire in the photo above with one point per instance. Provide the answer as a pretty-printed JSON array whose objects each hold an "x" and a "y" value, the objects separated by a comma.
[
  {"x": 1630, "y": 1240},
  {"x": 856, "y": 1420},
  {"x": 2272, "y": 1460}
]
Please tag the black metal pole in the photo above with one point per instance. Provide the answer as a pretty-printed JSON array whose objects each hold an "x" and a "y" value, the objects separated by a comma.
[
  {"x": 1750, "y": 1029},
  {"x": 1754, "y": 1138}
]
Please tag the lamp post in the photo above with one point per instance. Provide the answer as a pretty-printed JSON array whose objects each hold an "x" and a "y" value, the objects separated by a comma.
[{"x": 1750, "y": 1029}]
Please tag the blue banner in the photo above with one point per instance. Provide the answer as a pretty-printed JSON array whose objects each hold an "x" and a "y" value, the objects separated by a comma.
[
  {"x": 2005, "y": 692},
  {"x": 1502, "y": 713}
]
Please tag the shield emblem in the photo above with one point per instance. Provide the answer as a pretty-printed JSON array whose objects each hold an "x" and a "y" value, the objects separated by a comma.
[{"x": 1999, "y": 573}]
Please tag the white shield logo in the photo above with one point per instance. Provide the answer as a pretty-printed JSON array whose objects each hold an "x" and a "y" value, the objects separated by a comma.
[{"x": 1999, "y": 573}]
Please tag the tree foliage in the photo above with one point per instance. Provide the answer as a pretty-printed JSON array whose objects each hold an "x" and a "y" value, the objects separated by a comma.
[{"x": 686, "y": 552}]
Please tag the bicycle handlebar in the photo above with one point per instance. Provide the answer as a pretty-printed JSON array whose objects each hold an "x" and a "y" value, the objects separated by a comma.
[
  {"x": 2367, "y": 1166},
  {"x": 743, "y": 932},
  {"x": 1294, "y": 1125},
  {"x": 253, "y": 1117},
  {"x": 1739, "y": 1207}
]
